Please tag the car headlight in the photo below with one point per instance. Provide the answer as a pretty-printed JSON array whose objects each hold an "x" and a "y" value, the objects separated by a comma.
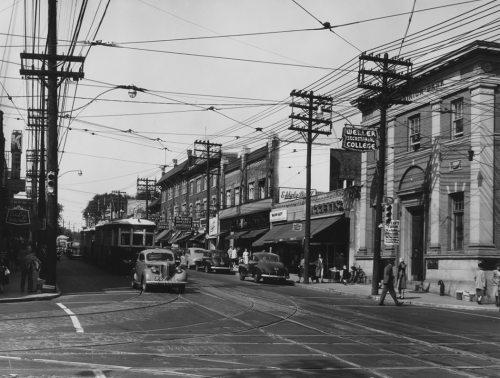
[
  {"x": 155, "y": 270},
  {"x": 178, "y": 270}
]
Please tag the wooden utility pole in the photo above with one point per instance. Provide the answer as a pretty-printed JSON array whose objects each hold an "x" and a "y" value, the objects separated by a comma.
[
  {"x": 211, "y": 151},
  {"x": 119, "y": 193},
  {"x": 144, "y": 185},
  {"x": 386, "y": 95},
  {"x": 312, "y": 115}
]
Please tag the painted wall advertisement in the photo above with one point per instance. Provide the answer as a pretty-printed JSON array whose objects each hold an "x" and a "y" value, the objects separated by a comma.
[{"x": 392, "y": 233}]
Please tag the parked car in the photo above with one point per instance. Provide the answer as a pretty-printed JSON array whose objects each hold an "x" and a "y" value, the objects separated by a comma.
[
  {"x": 193, "y": 255},
  {"x": 156, "y": 267},
  {"x": 214, "y": 260},
  {"x": 178, "y": 253},
  {"x": 264, "y": 265},
  {"x": 73, "y": 250}
]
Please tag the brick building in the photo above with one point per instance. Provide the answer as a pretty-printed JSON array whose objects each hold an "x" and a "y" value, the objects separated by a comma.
[
  {"x": 441, "y": 171},
  {"x": 345, "y": 168}
]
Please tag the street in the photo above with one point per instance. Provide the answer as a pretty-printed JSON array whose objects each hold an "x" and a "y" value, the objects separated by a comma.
[{"x": 224, "y": 327}]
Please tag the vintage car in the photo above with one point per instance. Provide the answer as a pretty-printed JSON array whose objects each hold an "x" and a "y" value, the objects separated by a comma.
[
  {"x": 156, "y": 267},
  {"x": 73, "y": 251},
  {"x": 214, "y": 260},
  {"x": 264, "y": 265},
  {"x": 193, "y": 255},
  {"x": 178, "y": 253}
]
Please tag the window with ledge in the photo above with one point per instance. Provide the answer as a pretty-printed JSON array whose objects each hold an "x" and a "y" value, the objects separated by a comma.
[
  {"x": 198, "y": 209},
  {"x": 262, "y": 189},
  {"x": 184, "y": 208},
  {"x": 250, "y": 191},
  {"x": 458, "y": 117},
  {"x": 176, "y": 211},
  {"x": 228, "y": 198},
  {"x": 198, "y": 185},
  {"x": 191, "y": 188},
  {"x": 214, "y": 179},
  {"x": 191, "y": 209},
  {"x": 457, "y": 218},
  {"x": 237, "y": 196},
  {"x": 184, "y": 187},
  {"x": 342, "y": 184},
  {"x": 414, "y": 127},
  {"x": 205, "y": 186}
]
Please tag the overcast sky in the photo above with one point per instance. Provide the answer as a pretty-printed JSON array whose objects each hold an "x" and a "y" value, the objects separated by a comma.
[{"x": 247, "y": 80}]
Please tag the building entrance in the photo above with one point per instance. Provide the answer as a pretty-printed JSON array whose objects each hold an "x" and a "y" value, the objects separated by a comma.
[{"x": 417, "y": 243}]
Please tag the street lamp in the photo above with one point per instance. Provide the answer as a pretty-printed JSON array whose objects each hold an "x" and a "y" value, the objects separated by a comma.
[{"x": 74, "y": 170}]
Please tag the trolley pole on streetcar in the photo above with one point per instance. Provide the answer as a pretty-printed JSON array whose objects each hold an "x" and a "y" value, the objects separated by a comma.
[
  {"x": 119, "y": 193},
  {"x": 386, "y": 93},
  {"x": 312, "y": 109}
]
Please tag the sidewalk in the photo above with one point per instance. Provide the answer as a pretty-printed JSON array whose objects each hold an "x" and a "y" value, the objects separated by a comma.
[
  {"x": 12, "y": 291},
  {"x": 413, "y": 298}
]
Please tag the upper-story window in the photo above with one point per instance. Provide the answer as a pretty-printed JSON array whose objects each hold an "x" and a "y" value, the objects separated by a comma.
[
  {"x": 457, "y": 229},
  {"x": 414, "y": 128},
  {"x": 176, "y": 190},
  {"x": 191, "y": 209},
  {"x": 250, "y": 191},
  {"x": 191, "y": 188},
  {"x": 228, "y": 197},
  {"x": 184, "y": 187},
  {"x": 214, "y": 179},
  {"x": 198, "y": 209},
  {"x": 458, "y": 117},
  {"x": 205, "y": 186},
  {"x": 342, "y": 184},
  {"x": 198, "y": 185},
  {"x": 184, "y": 209},
  {"x": 262, "y": 189},
  {"x": 237, "y": 196},
  {"x": 214, "y": 201},
  {"x": 176, "y": 211}
]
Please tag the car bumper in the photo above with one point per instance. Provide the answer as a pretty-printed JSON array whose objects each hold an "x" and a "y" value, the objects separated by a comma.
[
  {"x": 274, "y": 277},
  {"x": 220, "y": 268},
  {"x": 161, "y": 282}
]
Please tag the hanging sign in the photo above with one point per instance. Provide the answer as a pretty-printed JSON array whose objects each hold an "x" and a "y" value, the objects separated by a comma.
[
  {"x": 392, "y": 233},
  {"x": 18, "y": 217},
  {"x": 359, "y": 139},
  {"x": 297, "y": 226},
  {"x": 183, "y": 223}
]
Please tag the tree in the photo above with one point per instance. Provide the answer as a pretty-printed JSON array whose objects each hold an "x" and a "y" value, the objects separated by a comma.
[{"x": 98, "y": 205}]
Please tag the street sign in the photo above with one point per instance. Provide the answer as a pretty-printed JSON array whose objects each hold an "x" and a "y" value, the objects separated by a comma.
[
  {"x": 21, "y": 202},
  {"x": 297, "y": 226},
  {"x": 16, "y": 185},
  {"x": 18, "y": 217},
  {"x": 359, "y": 139},
  {"x": 183, "y": 223},
  {"x": 392, "y": 233}
]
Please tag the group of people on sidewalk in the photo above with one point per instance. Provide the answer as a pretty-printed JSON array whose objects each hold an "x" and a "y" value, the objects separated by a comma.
[
  {"x": 316, "y": 270},
  {"x": 394, "y": 276},
  {"x": 19, "y": 256}
]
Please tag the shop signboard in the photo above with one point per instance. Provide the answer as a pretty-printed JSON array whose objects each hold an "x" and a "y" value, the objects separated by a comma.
[
  {"x": 18, "y": 217},
  {"x": 291, "y": 194},
  {"x": 278, "y": 215},
  {"x": 183, "y": 223},
  {"x": 16, "y": 185},
  {"x": 22, "y": 203},
  {"x": 359, "y": 139},
  {"x": 392, "y": 233},
  {"x": 16, "y": 148},
  {"x": 297, "y": 226},
  {"x": 213, "y": 228}
]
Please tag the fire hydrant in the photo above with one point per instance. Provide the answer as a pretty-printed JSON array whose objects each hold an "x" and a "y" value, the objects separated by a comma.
[{"x": 441, "y": 287}]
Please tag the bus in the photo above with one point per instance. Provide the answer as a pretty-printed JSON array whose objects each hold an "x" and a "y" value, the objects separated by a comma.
[{"x": 117, "y": 243}]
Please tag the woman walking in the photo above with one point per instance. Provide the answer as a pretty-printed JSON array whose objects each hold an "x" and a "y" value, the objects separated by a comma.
[
  {"x": 401, "y": 283},
  {"x": 301, "y": 267}
]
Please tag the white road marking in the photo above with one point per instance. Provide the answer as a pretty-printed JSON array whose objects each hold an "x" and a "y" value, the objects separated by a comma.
[
  {"x": 99, "y": 374},
  {"x": 73, "y": 318}
]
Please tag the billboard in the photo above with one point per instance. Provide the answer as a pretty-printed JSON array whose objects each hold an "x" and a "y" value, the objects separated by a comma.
[{"x": 359, "y": 139}]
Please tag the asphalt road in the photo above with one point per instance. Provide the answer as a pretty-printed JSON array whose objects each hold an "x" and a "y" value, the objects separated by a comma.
[{"x": 224, "y": 327}]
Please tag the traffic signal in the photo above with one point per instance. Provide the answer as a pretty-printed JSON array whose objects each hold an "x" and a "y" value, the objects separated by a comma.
[
  {"x": 51, "y": 182},
  {"x": 388, "y": 214}
]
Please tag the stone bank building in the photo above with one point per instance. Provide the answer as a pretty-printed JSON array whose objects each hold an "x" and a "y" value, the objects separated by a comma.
[{"x": 442, "y": 170}]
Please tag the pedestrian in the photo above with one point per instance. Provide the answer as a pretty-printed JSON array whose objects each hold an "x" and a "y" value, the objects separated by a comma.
[
  {"x": 183, "y": 259},
  {"x": 301, "y": 267},
  {"x": 388, "y": 285},
  {"x": 319, "y": 268},
  {"x": 345, "y": 275},
  {"x": 401, "y": 283},
  {"x": 4, "y": 275},
  {"x": 496, "y": 283},
  {"x": 480, "y": 284},
  {"x": 230, "y": 252},
  {"x": 28, "y": 263},
  {"x": 234, "y": 257},
  {"x": 246, "y": 256}
]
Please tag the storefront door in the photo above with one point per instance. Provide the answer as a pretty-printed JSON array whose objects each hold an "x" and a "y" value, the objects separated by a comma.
[{"x": 417, "y": 243}]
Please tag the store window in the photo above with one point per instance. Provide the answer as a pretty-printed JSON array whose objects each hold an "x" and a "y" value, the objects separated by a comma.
[
  {"x": 457, "y": 218},
  {"x": 250, "y": 191},
  {"x": 457, "y": 117}
]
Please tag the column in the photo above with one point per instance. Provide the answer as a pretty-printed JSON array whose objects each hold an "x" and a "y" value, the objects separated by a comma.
[
  {"x": 481, "y": 197},
  {"x": 435, "y": 178}
]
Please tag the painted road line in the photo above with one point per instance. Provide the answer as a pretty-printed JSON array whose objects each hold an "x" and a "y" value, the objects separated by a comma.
[
  {"x": 99, "y": 374},
  {"x": 73, "y": 318}
]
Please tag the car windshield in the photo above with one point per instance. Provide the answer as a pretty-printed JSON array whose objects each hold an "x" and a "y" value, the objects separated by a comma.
[
  {"x": 160, "y": 257},
  {"x": 271, "y": 258}
]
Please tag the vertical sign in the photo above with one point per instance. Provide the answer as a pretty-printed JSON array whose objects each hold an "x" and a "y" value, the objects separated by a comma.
[
  {"x": 392, "y": 233},
  {"x": 16, "y": 148}
]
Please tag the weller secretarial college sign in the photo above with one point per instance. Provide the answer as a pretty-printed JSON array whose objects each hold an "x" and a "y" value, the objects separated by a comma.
[{"x": 359, "y": 139}]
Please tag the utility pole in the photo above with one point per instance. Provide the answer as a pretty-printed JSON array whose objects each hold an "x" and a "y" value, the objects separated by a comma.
[
  {"x": 144, "y": 185},
  {"x": 2, "y": 173},
  {"x": 386, "y": 94},
  {"x": 311, "y": 115},
  {"x": 212, "y": 151},
  {"x": 117, "y": 192},
  {"x": 49, "y": 78}
]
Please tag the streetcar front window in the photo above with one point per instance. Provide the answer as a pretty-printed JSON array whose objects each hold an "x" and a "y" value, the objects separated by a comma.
[
  {"x": 149, "y": 240},
  {"x": 124, "y": 237},
  {"x": 138, "y": 239}
]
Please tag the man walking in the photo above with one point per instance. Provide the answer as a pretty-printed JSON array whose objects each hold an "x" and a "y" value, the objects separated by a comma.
[{"x": 388, "y": 285}]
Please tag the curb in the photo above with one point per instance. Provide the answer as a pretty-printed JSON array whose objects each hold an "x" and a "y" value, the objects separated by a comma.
[
  {"x": 32, "y": 298},
  {"x": 406, "y": 303}
]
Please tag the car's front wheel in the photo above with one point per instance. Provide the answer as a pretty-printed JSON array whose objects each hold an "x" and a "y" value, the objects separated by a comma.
[
  {"x": 144, "y": 284},
  {"x": 207, "y": 268},
  {"x": 256, "y": 277},
  {"x": 132, "y": 281},
  {"x": 181, "y": 289},
  {"x": 242, "y": 277}
]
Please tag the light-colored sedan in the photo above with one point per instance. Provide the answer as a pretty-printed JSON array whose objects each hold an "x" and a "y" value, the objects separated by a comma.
[
  {"x": 193, "y": 255},
  {"x": 156, "y": 267}
]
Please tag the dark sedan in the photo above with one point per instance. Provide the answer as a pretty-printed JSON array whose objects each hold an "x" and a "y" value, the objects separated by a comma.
[
  {"x": 214, "y": 260},
  {"x": 264, "y": 265},
  {"x": 73, "y": 251}
]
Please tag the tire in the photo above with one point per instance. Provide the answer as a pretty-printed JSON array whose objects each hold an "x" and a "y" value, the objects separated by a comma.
[
  {"x": 181, "y": 289},
  {"x": 132, "y": 282},
  {"x": 242, "y": 277},
  {"x": 144, "y": 285},
  {"x": 207, "y": 268},
  {"x": 256, "y": 277}
]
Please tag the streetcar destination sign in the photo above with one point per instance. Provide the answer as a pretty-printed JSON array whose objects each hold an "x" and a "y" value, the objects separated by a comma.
[{"x": 359, "y": 139}]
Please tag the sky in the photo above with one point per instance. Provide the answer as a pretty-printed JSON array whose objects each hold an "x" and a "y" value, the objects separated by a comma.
[{"x": 201, "y": 79}]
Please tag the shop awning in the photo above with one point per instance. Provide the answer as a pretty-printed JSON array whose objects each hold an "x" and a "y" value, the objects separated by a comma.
[
  {"x": 236, "y": 235},
  {"x": 165, "y": 234},
  {"x": 255, "y": 233},
  {"x": 183, "y": 237},
  {"x": 174, "y": 235},
  {"x": 198, "y": 238},
  {"x": 285, "y": 232},
  {"x": 221, "y": 234}
]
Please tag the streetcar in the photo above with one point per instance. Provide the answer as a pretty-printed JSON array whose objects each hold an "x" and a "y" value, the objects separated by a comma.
[
  {"x": 118, "y": 242},
  {"x": 87, "y": 243}
]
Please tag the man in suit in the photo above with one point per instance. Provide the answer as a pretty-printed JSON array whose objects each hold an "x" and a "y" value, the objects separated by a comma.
[{"x": 389, "y": 284}]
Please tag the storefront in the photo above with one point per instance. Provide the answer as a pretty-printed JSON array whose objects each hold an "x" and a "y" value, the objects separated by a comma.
[{"x": 332, "y": 230}]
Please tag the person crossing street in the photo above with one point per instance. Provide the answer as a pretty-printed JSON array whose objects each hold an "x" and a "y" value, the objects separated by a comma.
[{"x": 389, "y": 285}]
